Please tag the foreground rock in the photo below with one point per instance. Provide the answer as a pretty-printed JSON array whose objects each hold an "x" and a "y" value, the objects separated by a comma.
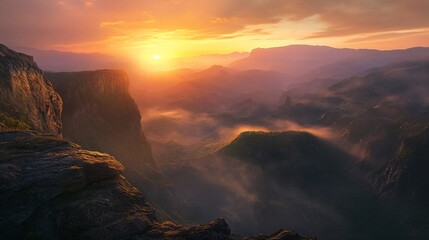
[
  {"x": 27, "y": 99},
  {"x": 53, "y": 189}
]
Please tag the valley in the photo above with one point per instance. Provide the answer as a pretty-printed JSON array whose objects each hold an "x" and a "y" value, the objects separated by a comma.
[
  {"x": 324, "y": 157},
  {"x": 365, "y": 117},
  {"x": 214, "y": 120}
]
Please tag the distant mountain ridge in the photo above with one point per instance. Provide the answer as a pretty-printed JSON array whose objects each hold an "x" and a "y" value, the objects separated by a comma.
[{"x": 306, "y": 62}]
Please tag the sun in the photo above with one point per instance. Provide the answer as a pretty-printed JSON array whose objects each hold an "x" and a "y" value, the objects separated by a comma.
[{"x": 156, "y": 57}]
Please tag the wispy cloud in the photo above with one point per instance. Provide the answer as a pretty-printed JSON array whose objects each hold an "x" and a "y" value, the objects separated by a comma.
[{"x": 52, "y": 23}]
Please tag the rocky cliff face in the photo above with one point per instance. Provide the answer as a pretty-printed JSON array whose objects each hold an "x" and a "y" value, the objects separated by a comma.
[
  {"x": 100, "y": 115},
  {"x": 26, "y": 97},
  {"x": 53, "y": 189}
]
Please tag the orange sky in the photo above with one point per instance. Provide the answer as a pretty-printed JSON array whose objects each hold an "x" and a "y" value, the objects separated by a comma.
[{"x": 185, "y": 28}]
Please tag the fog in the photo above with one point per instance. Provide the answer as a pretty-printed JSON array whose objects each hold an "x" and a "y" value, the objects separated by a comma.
[
  {"x": 311, "y": 162},
  {"x": 209, "y": 185}
]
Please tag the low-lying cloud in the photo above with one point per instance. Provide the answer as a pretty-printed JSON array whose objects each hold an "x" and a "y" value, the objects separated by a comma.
[{"x": 208, "y": 185}]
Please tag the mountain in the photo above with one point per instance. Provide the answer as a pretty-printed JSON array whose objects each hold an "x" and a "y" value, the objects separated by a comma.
[
  {"x": 212, "y": 89},
  {"x": 376, "y": 109},
  {"x": 27, "y": 99},
  {"x": 291, "y": 157},
  {"x": 264, "y": 75},
  {"x": 100, "y": 115},
  {"x": 306, "y": 62},
  {"x": 397, "y": 90},
  {"x": 298, "y": 170},
  {"x": 205, "y": 61},
  {"x": 249, "y": 109}
]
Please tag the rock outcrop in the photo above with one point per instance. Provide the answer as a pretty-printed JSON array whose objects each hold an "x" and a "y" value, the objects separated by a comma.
[
  {"x": 26, "y": 97},
  {"x": 53, "y": 189},
  {"x": 100, "y": 115}
]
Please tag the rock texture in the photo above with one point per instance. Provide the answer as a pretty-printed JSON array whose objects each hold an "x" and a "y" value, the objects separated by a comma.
[
  {"x": 54, "y": 189},
  {"x": 100, "y": 115},
  {"x": 25, "y": 95}
]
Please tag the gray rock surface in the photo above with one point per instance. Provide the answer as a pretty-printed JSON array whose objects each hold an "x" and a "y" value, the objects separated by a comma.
[
  {"x": 100, "y": 114},
  {"x": 26, "y": 95}
]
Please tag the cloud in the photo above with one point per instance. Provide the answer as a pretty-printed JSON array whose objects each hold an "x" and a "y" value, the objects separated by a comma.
[
  {"x": 209, "y": 185},
  {"x": 389, "y": 35},
  {"x": 49, "y": 23},
  {"x": 356, "y": 17}
]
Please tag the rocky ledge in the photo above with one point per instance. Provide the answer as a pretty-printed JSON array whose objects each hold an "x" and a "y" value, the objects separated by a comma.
[{"x": 53, "y": 189}]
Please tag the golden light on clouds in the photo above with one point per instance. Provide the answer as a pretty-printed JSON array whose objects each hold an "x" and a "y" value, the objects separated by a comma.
[{"x": 186, "y": 28}]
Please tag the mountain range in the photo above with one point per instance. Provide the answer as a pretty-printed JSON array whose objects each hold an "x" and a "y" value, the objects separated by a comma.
[
  {"x": 328, "y": 142},
  {"x": 306, "y": 62},
  {"x": 374, "y": 118}
]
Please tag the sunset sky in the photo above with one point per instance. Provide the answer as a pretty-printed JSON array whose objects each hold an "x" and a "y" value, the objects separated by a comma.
[{"x": 151, "y": 29}]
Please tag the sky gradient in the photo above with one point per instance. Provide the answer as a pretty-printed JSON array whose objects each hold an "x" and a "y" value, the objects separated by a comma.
[{"x": 186, "y": 28}]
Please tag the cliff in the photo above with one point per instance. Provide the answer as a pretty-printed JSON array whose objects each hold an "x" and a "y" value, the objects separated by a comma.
[
  {"x": 100, "y": 115},
  {"x": 27, "y": 99}
]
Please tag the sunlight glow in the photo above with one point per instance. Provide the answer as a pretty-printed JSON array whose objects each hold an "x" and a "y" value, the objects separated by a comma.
[{"x": 156, "y": 57}]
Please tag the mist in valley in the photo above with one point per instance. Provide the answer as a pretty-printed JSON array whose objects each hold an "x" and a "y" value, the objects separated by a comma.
[
  {"x": 208, "y": 184},
  {"x": 279, "y": 182},
  {"x": 265, "y": 144}
]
